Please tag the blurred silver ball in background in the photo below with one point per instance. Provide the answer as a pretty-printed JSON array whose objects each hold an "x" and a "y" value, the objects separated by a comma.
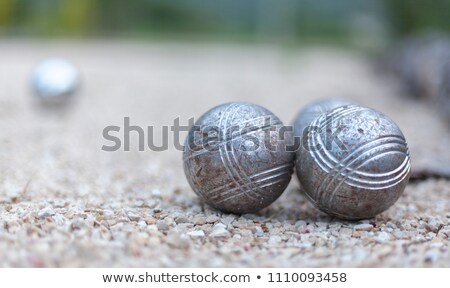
[
  {"x": 54, "y": 80},
  {"x": 312, "y": 111},
  {"x": 355, "y": 163},
  {"x": 236, "y": 159}
]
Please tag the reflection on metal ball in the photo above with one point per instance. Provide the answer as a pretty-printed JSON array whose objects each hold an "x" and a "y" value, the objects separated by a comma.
[{"x": 236, "y": 157}]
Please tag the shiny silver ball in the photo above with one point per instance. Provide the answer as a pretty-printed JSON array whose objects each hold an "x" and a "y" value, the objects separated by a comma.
[
  {"x": 312, "y": 111},
  {"x": 354, "y": 163},
  {"x": 236, "y": 157},
  {"x": 54, "y": 80}
]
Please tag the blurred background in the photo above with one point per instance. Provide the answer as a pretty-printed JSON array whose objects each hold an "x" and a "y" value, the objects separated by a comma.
[
  {"x": 367, "y": 23},
  {"x": 66, "y": 203}
]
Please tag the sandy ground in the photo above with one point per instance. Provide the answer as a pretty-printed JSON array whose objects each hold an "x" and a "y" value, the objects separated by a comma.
[{"x": 66, "y": 203}]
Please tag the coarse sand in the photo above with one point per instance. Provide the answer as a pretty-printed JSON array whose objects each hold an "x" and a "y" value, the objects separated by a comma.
[{"x": 66, "y": 203}]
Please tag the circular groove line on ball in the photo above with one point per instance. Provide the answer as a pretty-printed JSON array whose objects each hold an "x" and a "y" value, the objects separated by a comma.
[
  {"x": 402, "y": 176},
  {"x": 246, "y": 133},
  {"x": 339, "y": 113},
  {"x": 334, "y": 162},
  {"x": 336, "y": 171},
  {"x": 344, "y": 164},
  {"x": 282, "y": 167},
  {"x": 322, "y": 126},
  {"x": 236, "y": 169},
  {"x": 403, "y": 169},
  {"x": 230, "y": 170},
  {"x": 398, "y": 172},
  {"x": 336, "y": 174}
]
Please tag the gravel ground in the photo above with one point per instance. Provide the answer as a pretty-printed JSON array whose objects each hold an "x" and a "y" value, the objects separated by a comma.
[{"x": 66, "y": 203}]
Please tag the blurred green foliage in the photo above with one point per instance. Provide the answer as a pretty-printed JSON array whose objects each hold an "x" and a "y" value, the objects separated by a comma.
[
  {"x": 292, "y": 20},
  {"x": 409, "y": 16}
]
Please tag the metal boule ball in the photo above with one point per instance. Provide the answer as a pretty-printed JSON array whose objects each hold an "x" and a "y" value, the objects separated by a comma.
[
  {"x": 54, "y": 80},
  {"x": 354, "y": 163},
  {"x": 310, "y": 112},
  {"x": 236, "y": 157}
]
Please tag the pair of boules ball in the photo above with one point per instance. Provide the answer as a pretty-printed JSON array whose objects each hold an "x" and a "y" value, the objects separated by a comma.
[{"x": 359, "y": 176}]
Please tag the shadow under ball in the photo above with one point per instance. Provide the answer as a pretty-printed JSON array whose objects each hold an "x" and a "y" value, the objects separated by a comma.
[
  {"x": 355, "y": 165},
  {"x": 312, "y": 111},
  {"x": 235, "y": 160}
]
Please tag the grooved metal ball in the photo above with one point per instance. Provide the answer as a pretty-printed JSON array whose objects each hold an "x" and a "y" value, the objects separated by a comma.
[
  {"x": 314, "y": 110},
  {"x": 354, "y": 163},
  {"x": 235, "y": 159},
  {"x": 54, "y": 80},
  {"x": 420, "y": 63}
]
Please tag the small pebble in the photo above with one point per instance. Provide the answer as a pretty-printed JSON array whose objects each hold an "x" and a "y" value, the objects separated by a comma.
[
  {"x": 78, "y": 224},
  {"x": 391, "y": 225},
  {"x": 133, "y": 216},
  {"x": 156, "y": 193},
  {"x": 199, "y": 220},
  {"x": 196, "y": 233},
  {"x": 219, "y": 230},
  {"x": 219, "y": 226},
  {"x": 322, "y": 225},
  {"x": 59, "y": 219},
  {"x": 162, "y": 226},
  {"x": 382, "y": 237},
  {"x": 346, "y": 231},
  {"x": 299, "y": 223},
  {"x": 363, "y": 227},
  {"x": 181, "y": 219},
  {"x": 108, "y": 214},
  {"x": 275, "y": 239},
  {"x": 46, "y": 212},
  {"x": 259, "y": 232},
  {"x": 228, "y": 220},
  {"x": 176, "y": 241},
  {"x": 212, "y": 219},
  {"x": 431, "y": 256},
  {"x": 399, "y": 234},
  {"x": 303, "y": 229}
]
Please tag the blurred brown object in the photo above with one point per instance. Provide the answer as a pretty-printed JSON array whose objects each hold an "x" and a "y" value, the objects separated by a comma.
[
  {"x": 419, "y": 63},
  {"x": 444, "y": 91}
]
